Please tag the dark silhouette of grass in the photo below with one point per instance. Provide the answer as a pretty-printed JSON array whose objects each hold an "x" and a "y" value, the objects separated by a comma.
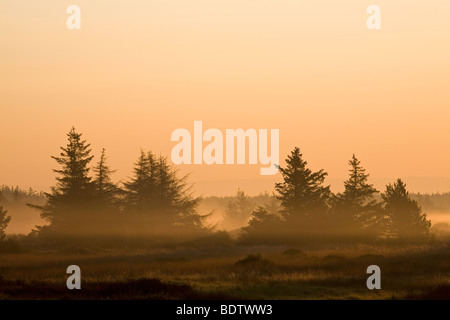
[
  {"x": 251, "y": 260},
  {"x": 139, "y": 289},
  {"x": 248, "y": 272}
]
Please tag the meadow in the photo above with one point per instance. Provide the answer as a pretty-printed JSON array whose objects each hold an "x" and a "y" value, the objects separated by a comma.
[{"x": 222, "y": 269}]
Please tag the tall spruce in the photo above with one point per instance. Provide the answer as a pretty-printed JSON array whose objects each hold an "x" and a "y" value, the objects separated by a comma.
[
  {"x": 177, "y": 206},
  {"x": 159, "y": 198},
  {"x": 68, "y": 203},
  {"x": 356, "y": 209},
  {"x": 141, "y": 189},
  {"x": 304, "y": 199},
  {"x": 106, "y": 192}
]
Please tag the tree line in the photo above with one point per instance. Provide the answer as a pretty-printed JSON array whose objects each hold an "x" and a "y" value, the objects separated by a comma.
[
  {"x": 309, "y": 208},
  {"x": 155, "y": 200}
]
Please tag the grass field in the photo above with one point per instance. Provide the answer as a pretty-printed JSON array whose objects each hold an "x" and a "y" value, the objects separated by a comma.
[{"x": 229, "y": 272}]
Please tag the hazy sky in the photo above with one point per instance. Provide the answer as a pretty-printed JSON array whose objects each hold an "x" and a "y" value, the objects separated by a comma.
[{"x": 137, "y": 70}]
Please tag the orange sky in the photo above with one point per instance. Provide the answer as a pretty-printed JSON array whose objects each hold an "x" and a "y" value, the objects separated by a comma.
[{"x": 137, "y": 70}]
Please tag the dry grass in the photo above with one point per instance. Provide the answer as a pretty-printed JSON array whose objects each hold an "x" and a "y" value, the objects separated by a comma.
[{"x": 243, "y": 272}]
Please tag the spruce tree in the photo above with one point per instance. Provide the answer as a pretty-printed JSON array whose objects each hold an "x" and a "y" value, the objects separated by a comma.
[
  {"x": 68, "y": 203},
  {"x": 355, "y": 209},
  {"x": 4, "y": 221},
  {"x": 407, "y": 221},
  {"x": 103, "y": 184},
  {"x": 159, "y": 199},
  {"x": 106, "y": 192},
  {"x": 177, "y": 206},
  {"x": 141, "y": 189},
  {"x": 304, "y": 199}
]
